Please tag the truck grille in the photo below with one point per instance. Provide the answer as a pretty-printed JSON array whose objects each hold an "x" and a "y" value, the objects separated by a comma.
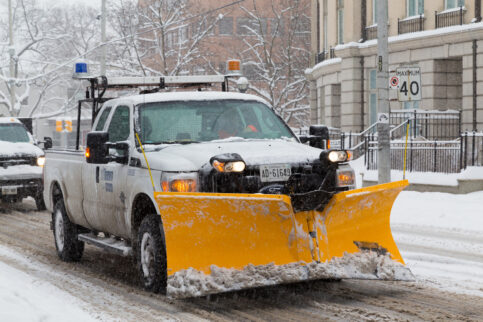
[{"x": 6, "y": 162}]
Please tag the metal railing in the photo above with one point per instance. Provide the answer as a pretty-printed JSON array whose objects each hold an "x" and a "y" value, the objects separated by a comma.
[
  {"x": 413, "y": 24},
  {"x": 371, "y": 32},
  {"x": 431, "y": 125},
  {"x": 430, "y": 156},
  {"x": 449, "y": 18},
  {"x": 326, "y": 54}
]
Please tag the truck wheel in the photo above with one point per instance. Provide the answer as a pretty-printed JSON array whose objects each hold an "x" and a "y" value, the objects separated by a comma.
[
  {"x": 39, "y": 202},
  {"x": 151, "y": 254},
  {"x": 69, "y": 248}
]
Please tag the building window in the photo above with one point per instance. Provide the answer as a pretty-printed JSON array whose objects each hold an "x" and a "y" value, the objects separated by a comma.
[
  {"x": 415, "y": 7},
  {"x": 225, "y": 26},
  {"x": 247, "y": 26},
  {"x": 340, "y": 21},
  {"x": 450, "y": 4}
]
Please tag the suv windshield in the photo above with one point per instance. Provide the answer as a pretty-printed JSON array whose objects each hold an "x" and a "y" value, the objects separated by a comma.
[
  {"x": 201, "y": 121},
  {"x": 13, "y": 132}
]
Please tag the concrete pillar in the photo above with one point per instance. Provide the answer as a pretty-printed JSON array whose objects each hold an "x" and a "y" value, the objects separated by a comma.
[
  {"x": 350, "y": 94},
  {"x": 332, "y": 105}
]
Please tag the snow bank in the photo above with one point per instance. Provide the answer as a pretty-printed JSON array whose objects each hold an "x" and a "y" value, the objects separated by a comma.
[{"x": 363, "y": 265}]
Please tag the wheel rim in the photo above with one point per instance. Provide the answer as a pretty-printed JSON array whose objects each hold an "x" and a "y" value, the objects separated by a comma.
[
  {"x": 147, "y": 256},
  {"x": 59, "y": 230}
]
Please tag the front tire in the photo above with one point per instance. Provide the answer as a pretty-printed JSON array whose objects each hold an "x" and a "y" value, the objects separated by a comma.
[
  {"x": 69, "y": 248},
  {"x": 151, "y": 254}
]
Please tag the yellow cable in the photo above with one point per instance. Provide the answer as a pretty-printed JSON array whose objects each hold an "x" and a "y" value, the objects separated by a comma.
[
  {"x": 147, "y": 163},
  {"x": 405, "y": 151}
]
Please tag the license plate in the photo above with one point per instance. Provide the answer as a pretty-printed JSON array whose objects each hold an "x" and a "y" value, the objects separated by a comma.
[
  {"x": 275, "y": 172},
  {"x": 9, "y": 191}
]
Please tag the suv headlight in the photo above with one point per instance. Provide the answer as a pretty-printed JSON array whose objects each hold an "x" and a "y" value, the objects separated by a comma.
[
  {"x": 41, "y": 161},
  {"x": 179, "y": 182}
]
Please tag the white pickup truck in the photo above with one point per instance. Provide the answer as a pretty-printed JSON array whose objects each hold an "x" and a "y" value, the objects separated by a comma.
[
  {"x": 21, "y": 163},
  {"x": 216, "y": 142}
]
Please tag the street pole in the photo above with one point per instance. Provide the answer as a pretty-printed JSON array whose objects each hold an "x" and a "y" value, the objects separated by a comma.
[
  {"x": 103, "y": 38},
  {"x": 11, "y": 51},
  {"x": 384, "y": 144}
]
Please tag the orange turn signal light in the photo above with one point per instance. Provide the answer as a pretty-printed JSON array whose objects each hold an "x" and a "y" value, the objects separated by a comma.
[
  {"x": 179, "y": 185},
  {"x": 88, "y": 153}
]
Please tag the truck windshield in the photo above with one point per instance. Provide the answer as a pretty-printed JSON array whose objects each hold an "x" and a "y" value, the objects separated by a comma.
[
  {"x": 13, "y": 132},
  {"x": 201, "y": 121}
]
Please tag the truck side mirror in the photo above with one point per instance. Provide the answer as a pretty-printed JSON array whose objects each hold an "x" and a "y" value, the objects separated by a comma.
[
  {"x": 97, "y": 151},
  {"x": 319, "y": 136},
  {"x": 304, "y": 139},
  {"x": 47, "y": 143}
]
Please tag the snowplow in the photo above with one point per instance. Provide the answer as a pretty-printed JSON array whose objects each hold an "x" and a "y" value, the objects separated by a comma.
[
  {"x": 217, "y": 243},
  {"x": 211, "y": 192}
]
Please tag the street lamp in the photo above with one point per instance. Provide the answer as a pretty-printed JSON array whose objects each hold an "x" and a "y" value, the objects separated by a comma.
[{"x": 242, "y": 84}]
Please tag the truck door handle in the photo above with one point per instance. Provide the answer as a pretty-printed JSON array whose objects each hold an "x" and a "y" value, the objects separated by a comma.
[{"x": 97, "y": 174}]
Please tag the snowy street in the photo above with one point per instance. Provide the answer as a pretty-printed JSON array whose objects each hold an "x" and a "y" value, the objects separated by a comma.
[{"x": 439, "y": 235}]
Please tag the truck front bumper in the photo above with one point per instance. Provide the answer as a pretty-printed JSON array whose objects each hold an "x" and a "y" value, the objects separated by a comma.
[{"x": 17, "y": 182}]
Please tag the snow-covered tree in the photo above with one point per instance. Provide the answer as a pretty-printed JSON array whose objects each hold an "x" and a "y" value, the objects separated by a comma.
[
  {"x": 45, "y": 43},
  {"x": 276, "y": 53},
  {"x": 159, "y": 37}
]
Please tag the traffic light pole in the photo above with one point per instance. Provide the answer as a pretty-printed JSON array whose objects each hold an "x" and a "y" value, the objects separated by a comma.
[{"x": 384, "y": 144}]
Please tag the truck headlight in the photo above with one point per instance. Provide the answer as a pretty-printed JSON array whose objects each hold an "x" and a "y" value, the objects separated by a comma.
[
  {"x": 41, "y": 161},
  {"x": 335, "y": 156},
  {"x": 346, "y": 178},
  {"x": 179, "y": 182},
  {"x": 229, "y": 162}
]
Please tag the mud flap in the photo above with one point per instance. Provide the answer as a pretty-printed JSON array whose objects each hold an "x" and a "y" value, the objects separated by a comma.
[{"x": 223, "y": 242}]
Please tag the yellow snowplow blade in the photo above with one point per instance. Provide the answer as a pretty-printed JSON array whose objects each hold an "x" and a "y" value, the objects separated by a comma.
[{"x": 223, "y": 242}]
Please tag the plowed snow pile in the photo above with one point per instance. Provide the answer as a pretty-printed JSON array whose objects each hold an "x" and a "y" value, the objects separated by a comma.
[{"x": 366, "y": 265}]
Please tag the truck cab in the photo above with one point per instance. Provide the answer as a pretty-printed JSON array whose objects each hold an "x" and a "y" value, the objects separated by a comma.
[{"x": 21, "y": 163}]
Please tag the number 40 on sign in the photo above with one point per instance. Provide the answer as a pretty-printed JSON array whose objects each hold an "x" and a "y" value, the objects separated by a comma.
[{"x": 407, "y": 81}]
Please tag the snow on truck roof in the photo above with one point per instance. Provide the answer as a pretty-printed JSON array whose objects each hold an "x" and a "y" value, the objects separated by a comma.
[
  {"x": 188, "y": 96},
  {"x": 4, "y": 120}
]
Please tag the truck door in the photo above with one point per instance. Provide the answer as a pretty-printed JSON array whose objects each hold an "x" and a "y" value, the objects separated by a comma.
[
  {"x": 90, "y": 179},
  {"x": 112, "y": 194}
]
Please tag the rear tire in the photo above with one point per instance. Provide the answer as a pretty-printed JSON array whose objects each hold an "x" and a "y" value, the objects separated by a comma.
[
  {"x": 69, "y": 248},
  {"x": 151, "y": 255}
]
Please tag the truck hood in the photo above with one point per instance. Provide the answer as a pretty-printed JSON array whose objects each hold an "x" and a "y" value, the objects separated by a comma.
[
  {"x": 192, "y": 157},
  {"x": 15, "y": 150}
]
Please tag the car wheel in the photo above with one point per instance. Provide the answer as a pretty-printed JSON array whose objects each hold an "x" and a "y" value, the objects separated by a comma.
[
  {"x": 69, "y": 248},
  {"x": 151, "y": 254}
]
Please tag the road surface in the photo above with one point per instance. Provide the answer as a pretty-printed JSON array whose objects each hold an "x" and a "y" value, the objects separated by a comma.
[{"x": 108, "y": 286}]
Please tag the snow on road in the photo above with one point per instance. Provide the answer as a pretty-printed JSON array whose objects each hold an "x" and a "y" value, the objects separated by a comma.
[
  {"x": 24, "y": 297},
  {"x": 441, "y": 238}
]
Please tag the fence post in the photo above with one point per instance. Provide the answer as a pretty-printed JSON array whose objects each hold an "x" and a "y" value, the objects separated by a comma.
[
  {"x": 415, "y": 123},
  {"x": 411, "y": 155},
  {"x": 473, "y": 152},
  {"x": 466, "y": 149},
  {"x": 461, "y": 15},
  {"x": 435, "y": 149},
  {"x": 398, "y": 29},
  {"x": 461, "y": 152},
  {"x": 436, "y": 19},
  {"x": 350, "y": 139},
  {"x": 342, "y": 141},
  {"x": 421, "y": 22}
]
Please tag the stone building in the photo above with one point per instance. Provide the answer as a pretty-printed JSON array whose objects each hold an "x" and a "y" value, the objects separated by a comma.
[{"x": 444, "y": 38}]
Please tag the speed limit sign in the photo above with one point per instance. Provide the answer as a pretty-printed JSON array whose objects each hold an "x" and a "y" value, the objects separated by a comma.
[{"x": 409, "y": 88}]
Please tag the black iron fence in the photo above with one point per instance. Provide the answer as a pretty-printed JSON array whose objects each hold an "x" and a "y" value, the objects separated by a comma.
[
  {"x": 430, "y": 156},
  {"x": 326, "y": 54},
  {"x": 413, "y": 24},
  {"x": 449, "y": 18},
  {"x": 431, "y": 125},
  {"x": 371, "y": 32}
]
